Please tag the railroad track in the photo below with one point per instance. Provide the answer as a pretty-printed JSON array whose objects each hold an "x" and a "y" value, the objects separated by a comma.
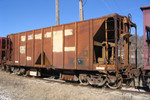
[{"x": 123, "y": 89}]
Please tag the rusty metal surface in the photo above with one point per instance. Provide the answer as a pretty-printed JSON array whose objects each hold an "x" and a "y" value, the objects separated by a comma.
[
  {"x": 16, "y": 49},
  {"x": 29, "y": 46},
  {"x": 83, "y": 45},
  {"x": 70, "y": 55},
  {"x": 22, "y": 47},
  {"x": 74, "y": 46},
  {"x": 47, "y": 46}
]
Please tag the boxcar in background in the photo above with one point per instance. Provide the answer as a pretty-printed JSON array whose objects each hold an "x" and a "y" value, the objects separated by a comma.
[{"x": 146, "y": 31}]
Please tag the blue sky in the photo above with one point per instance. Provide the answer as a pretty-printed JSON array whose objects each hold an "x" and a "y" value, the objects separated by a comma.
[{"x": 23, "y": 15}]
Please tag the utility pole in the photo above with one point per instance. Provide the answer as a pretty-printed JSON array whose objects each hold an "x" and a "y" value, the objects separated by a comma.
[
  {"x": 57, "y": 11},
  {"x": 81, "y": 10}
]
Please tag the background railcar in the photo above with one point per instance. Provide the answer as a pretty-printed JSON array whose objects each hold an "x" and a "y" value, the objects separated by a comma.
[
  {"x": 146, "y": 31},
  {"x": 96, "y": 51}
]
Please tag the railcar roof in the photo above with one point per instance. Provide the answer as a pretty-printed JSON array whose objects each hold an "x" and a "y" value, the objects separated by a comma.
[{"x": 145, "y": 7}]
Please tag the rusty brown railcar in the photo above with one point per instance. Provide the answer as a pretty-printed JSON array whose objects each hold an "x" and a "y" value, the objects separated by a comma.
[{"x": 88, "y": 51}]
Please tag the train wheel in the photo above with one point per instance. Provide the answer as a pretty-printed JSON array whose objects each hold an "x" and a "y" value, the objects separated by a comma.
[
  {"x": 114, "y": 82},
  {"x": 83, "y": 79},
  {"x": 101, "y": 81},
  {"x": 97, "y": 80},
  {"x": 91, "y": 80}
]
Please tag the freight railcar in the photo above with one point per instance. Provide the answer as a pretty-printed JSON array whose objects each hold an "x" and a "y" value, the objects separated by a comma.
[
  {"x": 95, "y": 51},
  {"x": 3, "y": 50},
  {"x": 146, "y": 31}
]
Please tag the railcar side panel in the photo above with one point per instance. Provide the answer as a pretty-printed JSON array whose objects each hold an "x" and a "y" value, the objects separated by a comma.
[
  {"x": 38, "y": 47},
  {"x": 58, "y": 47},
  {"x": 29, "y": 49},
  {"x": 69, "y": 46},
  {"x": 17, "y": 50},
  {"x": 47, "y": 46},
  {"x": 83, "y": 45},
  {"x": 66, "y": 46},
  {"x": 22, "y": 47}
]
